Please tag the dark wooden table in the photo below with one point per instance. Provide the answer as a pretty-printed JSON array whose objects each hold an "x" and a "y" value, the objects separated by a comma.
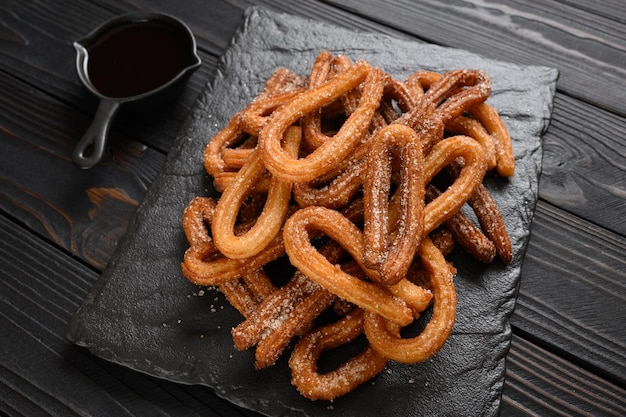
[{"x": 59, "y": 226}]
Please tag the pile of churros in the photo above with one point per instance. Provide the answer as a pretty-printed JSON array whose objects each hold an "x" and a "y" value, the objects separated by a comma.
[{"x": 357, "y": 179}]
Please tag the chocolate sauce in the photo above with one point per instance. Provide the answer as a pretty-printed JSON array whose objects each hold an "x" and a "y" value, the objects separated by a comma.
[{"x": 137, "y": 57}]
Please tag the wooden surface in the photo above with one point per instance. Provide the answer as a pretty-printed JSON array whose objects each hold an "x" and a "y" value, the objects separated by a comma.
[{"x": 59, "y": 226}]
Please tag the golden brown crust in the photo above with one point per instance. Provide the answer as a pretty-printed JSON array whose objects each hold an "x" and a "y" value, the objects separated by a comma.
[
  {"x": 349, "y": 375},
  {"x": 384, "y": 336},
  {"x": 336, "y": 172},
  {"x": 392, "y": 257},
  {"x": 326, "y": 155}
]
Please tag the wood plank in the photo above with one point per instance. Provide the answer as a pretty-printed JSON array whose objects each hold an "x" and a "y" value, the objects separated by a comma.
[
  {"x": 541, "y": 383},
  {"x": 573, "y": 292},
  {"x": 584, "y": 162},
  {"x": 576, "y": 126},
  {"x": 610, "y": 9},
  {"x": 84, "y": 212},
  {"x": 41, "y": 373},
  {"x": 589, "y": 49},
  {"x": 220, "y": 16},
  {"x": 327, "y": 12}
]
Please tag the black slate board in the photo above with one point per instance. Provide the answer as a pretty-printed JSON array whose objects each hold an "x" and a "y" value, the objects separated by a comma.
[{"x": 144, "y": 314}]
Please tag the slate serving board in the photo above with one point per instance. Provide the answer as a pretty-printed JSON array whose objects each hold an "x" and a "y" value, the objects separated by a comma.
[{"x": 145, "y": 315}]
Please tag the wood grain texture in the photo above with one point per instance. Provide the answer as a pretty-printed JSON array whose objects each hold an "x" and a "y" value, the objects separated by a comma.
[
  {"x": 40, "y": 366},
  {"x": 567, "y": 167},
  {"x": 84, "y": 212},
  {"x": 573, "y": 292},
  {"x": 59, "y": 226},
  {"x": 541, "y": 383},
  {"x": 584, "y": 160},
  {"x": 589, "y": 49},
  {"x": 324, "y": 12}
]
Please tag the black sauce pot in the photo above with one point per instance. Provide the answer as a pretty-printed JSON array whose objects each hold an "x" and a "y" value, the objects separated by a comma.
[{"x": 161, "y": 46}]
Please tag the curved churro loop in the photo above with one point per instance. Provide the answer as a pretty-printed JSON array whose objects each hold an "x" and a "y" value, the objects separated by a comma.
[
  {"x": 304, "y": 256},
  {"x": 271, "y": 218},
  {"x": 445, "y": 205},
  {"x": 282, "y": 86},
  {"x": 384, "y": 336},
  {"x": 229, "y": 135},
  {"x": 256, "y": 115},
  {"x": 422, "y": 115},
  {"x": 334, "y": 195},
  {"x": 197, "y": 218},
  {"x": 400, "y": 93},
  {"x": 442, "y": 154},
  {"x": 311, "y": 122},
  {"x": 396, "y": 99},
  {"x": 393, "y": 258},
  {"x": 346, "y": 176},
  {"x": 469, "y": 127},
  {"x": 458, "y": 91},
  {"x": 489, "y": 118},
  {"x": 245, "y": 293},
  {"x": 419, "y": 81},
  {"x": 330, "y": 152},
  {"x": 498, "y": 146},
  {"x": 345, "y": 378},
  {"x": 203, "y": 264}
]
